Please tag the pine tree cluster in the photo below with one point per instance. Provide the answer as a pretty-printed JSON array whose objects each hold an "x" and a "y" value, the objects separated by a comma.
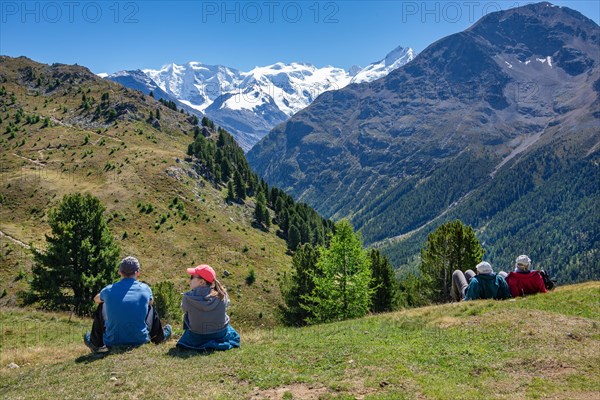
[{"x": 222, "y": 161}]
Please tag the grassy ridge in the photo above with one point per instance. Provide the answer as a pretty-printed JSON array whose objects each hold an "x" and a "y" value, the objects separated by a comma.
[{"x": 545, "y": 346}]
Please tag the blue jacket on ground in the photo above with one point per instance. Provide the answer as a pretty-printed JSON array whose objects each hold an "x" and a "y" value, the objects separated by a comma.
[{"x": 226, "y": 339}]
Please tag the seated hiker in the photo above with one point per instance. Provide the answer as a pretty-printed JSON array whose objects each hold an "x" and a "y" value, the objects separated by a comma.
[
  {"x": 460, "y": 282},
  {"x": 485, "y": 285},
  {"x": 206, "y": 323},
  {"x": 125, "y": 315},
  {"x": 523, "y": 281}
]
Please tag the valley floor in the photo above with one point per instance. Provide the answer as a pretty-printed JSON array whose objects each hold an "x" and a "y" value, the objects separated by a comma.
[{"x": 544, "y": 346}]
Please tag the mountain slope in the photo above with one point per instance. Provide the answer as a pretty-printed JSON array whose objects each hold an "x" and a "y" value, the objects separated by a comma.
[
  {"x": 63, "y": 130},
  {"x": 249, "y": 104},
  {"x": 442, "y": 137}
]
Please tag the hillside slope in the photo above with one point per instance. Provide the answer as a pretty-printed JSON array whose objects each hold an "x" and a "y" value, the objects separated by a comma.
[
  {"x": 482, "y": 125},
  {"x": 544, "y": 346},
  {"x": 63, "y": 130}
]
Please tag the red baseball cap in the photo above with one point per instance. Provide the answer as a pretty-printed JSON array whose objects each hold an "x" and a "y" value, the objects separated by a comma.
[{"x": 203, "y": 271}]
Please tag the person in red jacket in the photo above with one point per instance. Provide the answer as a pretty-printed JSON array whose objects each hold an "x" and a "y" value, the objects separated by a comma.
[{"x": 522, "y": 281}]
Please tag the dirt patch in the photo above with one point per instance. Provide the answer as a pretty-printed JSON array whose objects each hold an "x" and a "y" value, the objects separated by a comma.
[
  {"x": 448, "y": 321},
  {"x": 296, "y": 391},
  {"x": 574, "y": 396}
]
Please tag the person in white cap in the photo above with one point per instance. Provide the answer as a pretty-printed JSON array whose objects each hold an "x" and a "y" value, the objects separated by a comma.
[
  {"x": 485, "y": 285},
  {"x": 523, "y": 281},
  {"x": 206, "y": 323},
  {"x": 125, "y": 316}
]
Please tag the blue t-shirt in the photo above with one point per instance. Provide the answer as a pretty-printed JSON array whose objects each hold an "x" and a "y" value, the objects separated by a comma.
[{"x": 126, "y": 305}]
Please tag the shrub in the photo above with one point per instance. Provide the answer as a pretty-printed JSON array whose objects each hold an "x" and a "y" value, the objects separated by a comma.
[
  {"x": 167, "y": 301},
  {"x": 251, "y": 277}
]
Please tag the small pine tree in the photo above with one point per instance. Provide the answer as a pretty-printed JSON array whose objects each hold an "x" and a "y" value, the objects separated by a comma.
[
  {"x": 157, "y": 113},
  {"x": 293, "y": 238},
  {"x": 261, "y": 214},
  {"x": 221, "y": 141},
  {"x": 384, "y": 284},
  {"x": 343, "y": 290},
  {"x": 167, "y": 301},
  {"x": 452, "y": 246},
  {"x": 296, "y": 286},
  {"x": 225, "y": 169},
  {"x": 267, "y": 221},
  {"x": 239, "y": 185},
  {"x": 230, "y": 191},
  {"x": 80, "y": 258}
]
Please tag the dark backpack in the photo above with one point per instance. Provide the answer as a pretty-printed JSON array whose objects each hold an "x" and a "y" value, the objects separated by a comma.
[{"x": 548, "y": 281}]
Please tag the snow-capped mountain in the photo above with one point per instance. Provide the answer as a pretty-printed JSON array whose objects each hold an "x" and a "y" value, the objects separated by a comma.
[
  {"x": 395, "y": 59},
  {"x": 194, "y": 83},
  {"x": 249, "y": 104}
]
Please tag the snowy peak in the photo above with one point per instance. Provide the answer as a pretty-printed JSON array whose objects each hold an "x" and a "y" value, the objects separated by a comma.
[
  {"x": 249, "y": 104},
  {"x": 393, "y": 60},
  {"x": 194, "y": 83},
  {"x": 400, "y": 55},
  {"x": 294, "y": 86}
]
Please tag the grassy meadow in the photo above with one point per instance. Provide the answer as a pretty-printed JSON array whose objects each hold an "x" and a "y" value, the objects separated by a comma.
[{"x": 539, "y": 347}]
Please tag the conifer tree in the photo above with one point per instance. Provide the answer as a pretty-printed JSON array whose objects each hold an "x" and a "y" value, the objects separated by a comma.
[
  {"x": 451, "y": 246},
  {"x": 239, "y": 186},
  {"x": 260, "y": 210},
  {"x": 297, "y": 285},
  {"x": 342, "y": 290},
  {"x": 225, "y": 169},
  {"x": 293, "y": 238},
  {"x": 384, "y": 284},
  {"x": 230, "y": 191},
  {"x": 80, "y": 257}
]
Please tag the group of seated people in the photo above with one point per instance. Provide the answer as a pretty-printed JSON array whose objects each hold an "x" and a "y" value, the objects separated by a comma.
[
  {"x": 125, "y": 315},
  {"x": 488, "y": 285}
]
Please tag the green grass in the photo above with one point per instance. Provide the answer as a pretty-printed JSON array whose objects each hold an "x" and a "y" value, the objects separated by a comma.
[{"x": 528, "y": 348}]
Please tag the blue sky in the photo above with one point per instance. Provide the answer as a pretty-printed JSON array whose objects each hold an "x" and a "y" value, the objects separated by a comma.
[{"x": 107, "y": 36}]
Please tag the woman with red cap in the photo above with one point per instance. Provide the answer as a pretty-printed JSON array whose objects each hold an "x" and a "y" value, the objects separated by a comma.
[{"x": 206, "y": 323}]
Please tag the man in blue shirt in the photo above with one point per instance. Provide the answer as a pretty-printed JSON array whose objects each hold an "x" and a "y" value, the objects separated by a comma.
[{"x": 125, "y": 316}]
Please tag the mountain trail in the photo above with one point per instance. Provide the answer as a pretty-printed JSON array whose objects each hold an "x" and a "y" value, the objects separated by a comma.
[
  {"x": 17, "y": 241},
  {"x": 61, "y": 123},
  {"x": 41, "y": 164}
]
